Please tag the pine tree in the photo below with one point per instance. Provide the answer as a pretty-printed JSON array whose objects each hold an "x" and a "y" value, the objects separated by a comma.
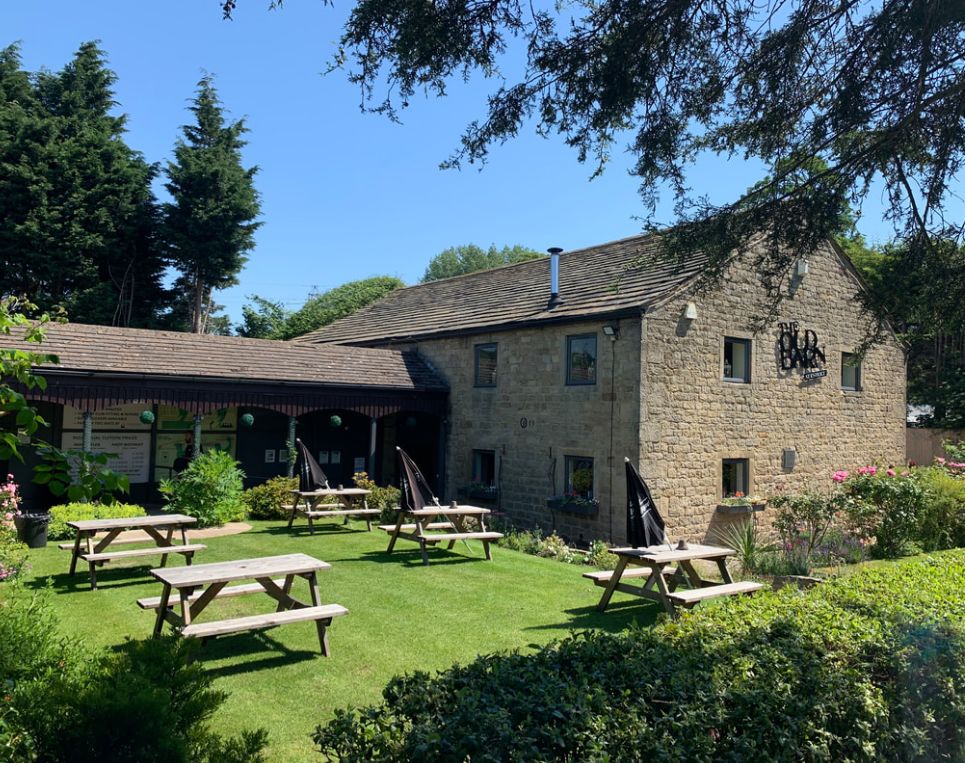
[{"x": 210, "y": 224}]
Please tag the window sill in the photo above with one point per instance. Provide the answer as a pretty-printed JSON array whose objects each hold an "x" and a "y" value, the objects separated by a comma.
[
  {"x": 746, "y": 508},
  {"x": 736, "y": 381}
]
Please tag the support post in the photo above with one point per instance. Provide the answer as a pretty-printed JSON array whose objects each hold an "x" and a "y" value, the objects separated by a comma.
[
  {"x": 292, "y": 423},
  {"x": 196, "y": 445},
  {"x": 373, "y": 440},
  {"x": 88, "y": 436}
]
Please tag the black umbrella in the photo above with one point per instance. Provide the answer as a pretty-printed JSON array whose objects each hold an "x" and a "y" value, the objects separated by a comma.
[
  {"x": 644, "y": 524},
  {"x": 416, "y": 490},
  {"x": 310, "y": 474}
]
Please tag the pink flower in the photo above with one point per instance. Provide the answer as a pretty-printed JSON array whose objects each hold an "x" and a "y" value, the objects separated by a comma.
[
  {"x": 840, "y": 476},
  {"x": 905, "y": 473},
  {"x": 8, "y": 516},
  {"x": 940, "y": 461},
  {"x": 890, "y": 472},
  {"x": 956, "y": 465}
]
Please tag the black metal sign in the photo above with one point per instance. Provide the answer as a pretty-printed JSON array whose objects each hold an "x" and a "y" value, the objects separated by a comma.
[{"x": 800, "y": 350}]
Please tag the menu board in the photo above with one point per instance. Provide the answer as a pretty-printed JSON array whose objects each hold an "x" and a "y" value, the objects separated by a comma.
[
  {"x": 133, "y": 451},
  {"x": 173, "y": 419},
  {"x": 116, "y": 417}
]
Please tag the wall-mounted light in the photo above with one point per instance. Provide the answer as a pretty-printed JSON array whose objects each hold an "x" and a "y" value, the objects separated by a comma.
[
  {"x": 612, "y": 331},
  {"x": 802, "y": 268},
  {"x": 690, "y": 312}
]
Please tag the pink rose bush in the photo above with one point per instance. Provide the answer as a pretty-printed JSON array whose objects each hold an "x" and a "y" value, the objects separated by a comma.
[{"x": 13, "y": 553}]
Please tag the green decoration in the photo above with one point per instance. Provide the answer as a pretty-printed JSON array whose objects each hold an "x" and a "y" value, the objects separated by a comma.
[
  {"x": 147, "y": 417},
  {"x": 335, "y": 421},
  {"x": 247, "y": 420}
]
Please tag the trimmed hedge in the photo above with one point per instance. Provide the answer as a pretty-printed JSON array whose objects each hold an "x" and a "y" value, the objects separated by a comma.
[
  {"x": 71, "y": 512},
  {"x": 867, "y": 668},
  {"x": 265, "y": 501}
]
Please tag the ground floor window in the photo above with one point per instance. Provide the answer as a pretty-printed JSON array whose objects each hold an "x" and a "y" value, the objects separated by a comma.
[
  {"x": 734, "y": 477},
  {"x": 484, "y": 468},
  {"x": 579, "y": 477}
]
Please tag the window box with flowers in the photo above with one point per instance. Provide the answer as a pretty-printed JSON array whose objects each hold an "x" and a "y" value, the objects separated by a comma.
[
  {"x": 738, "y": 503},
  {"x": 477, "y": 491}
]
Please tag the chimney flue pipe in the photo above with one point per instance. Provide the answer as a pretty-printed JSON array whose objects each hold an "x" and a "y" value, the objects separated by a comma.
[{"x": 554, "y": 252}]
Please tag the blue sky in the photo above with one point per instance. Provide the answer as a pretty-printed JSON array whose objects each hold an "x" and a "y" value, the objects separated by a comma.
[{"x": 345, "y": 195}]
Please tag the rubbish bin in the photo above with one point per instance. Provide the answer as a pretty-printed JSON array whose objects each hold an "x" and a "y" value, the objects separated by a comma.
[{"x": 32, "y": 529}]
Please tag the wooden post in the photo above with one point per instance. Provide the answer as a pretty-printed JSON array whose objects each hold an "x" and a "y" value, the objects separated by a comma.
[
  {"x": 88, "y": 436},
  {"x": 196, "y": 445},
  {"x": 290, "y": 443},
  {"x": 373, "y": 439}
]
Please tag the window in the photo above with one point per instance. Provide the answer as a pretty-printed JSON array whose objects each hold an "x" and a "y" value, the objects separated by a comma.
[
  {"x": 734, "y": 477},
  {"x": 850, "y": 372},
  {"x": 581, "y": 359},
  {"x": 579, "y": 476},
  {"x": 485, "y": 365},
  {"x": 484, "y": 468},
  {"x": 737, "y": 360}
]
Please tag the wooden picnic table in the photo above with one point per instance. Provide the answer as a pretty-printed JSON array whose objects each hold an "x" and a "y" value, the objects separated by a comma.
[
  {"x": 440, "y": 524},
  {"x": 307, "y": 504},
  {"x": 662, "y": 581},
  {"x": 160, "y": 529},
  {"x": 195, "y": 587}
]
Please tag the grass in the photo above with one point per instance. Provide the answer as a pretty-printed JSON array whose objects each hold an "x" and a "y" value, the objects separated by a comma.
[{"x": 403, "y": 617}]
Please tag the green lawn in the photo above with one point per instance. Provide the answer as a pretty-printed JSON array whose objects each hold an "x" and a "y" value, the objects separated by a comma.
[{"x": 403, "y": 617}]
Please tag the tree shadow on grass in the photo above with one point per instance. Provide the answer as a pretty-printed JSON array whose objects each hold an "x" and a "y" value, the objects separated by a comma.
[{"x": 618, "y": 617}]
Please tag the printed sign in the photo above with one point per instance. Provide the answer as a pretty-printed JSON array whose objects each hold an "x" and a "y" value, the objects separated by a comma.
[
  {"x": 359, "y": 465},
  {"x": 270, "y": 456},
  {"x": 133, "y": 451},
  {"x": 174, "y": 445},
  {"x": 116, "y": 417},
  {"x": 172, "y": 419}
]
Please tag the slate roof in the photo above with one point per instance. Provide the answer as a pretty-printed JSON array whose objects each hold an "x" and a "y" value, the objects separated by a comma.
[
  {"x": 118, "y": 351},
  {"x": 593, "y": 282}
]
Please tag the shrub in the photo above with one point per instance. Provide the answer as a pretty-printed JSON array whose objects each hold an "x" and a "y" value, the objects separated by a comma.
[
  {"x": 81, "y": 476},
  {"x": 748, "y": 545},
  {"x": 600, "y": 556},
  {"x": 209, "y": 489},
  {"x": 266, "y": 501},
  {"x": 941, "y": 523},
  {"x": 145, "y": 702},
  {"x": 865, "y": 668},
  {"x": 526, "y": 541},
  {"x": 13, "y": 553},
  {"x": 386, "y": 498},
  {"x": 554, "y": 547},
  {"x": 72, "y": 512},
  {"x": 884, "y": 507}
]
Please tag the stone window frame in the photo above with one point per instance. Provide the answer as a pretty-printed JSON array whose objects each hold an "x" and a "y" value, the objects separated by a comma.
[
  {"x": 570, "y": 338},
  {"x": 845, "y": 356},
  {"x": 749, "y": 343},
  {"x": 748, "y": 474},
  {"x": 571, "y": 458},
  {"x": 494, "y": 346},
  {"x": 477, "y": 474}
]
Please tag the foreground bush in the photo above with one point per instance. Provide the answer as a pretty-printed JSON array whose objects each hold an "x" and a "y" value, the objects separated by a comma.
[
  {"x": 942, "y": 520},
  {"x": 265, "y": 501},
  {"x": 209, "y": 489},
  {"x": 143, "y": 703},
  {"x": 72, "y": 512},
  {"x": 868, "y": 668}
]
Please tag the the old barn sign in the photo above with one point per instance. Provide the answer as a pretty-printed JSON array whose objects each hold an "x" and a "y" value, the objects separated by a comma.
[{"x": 799, "y": 349}]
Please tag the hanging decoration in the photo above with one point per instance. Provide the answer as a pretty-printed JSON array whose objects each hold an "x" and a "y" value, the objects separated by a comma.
[
  {"x": 247, "y": 420},
  {"x": 335, "y": 421},
  {"x": 147, "y": 417}
]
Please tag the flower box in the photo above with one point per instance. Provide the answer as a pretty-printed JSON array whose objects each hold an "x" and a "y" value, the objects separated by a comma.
[
  {"x": 741, "y": 508},
  {"x": 573, "y": 505},
  {"x": 479, "y": 493}
]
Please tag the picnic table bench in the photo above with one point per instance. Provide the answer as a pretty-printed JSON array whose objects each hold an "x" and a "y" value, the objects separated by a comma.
[
  {"x": 307, "y": 504},
  {"x": 449, "y": 526},
  {"x": 95, "y": 536},
  {"x": 194, "y": 588},
  {"x": 662, "y": 582}
]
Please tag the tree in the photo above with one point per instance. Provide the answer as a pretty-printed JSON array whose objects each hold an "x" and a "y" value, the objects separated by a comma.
[
  {"x": 874, "y": 89},
  {"x": 77, "y": 214},
  {"x": 210, "y": 224},
  {"x": 336, "y": 303},
  {"x": 263, "y": 319},
  {"x": 459, "y": 260}
]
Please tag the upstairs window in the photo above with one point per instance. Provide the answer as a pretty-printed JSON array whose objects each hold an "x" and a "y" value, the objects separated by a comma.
[
  {"x": 850, "y": 372},
  {"x": 735, "y": 477},
  {"x": 484, "y": 468},
  {"x": 737, "y": 360},
  {"x": 579, "y": 476},
  {"x": 486, "y": 365},
  {"x": 581, "y": 359}
]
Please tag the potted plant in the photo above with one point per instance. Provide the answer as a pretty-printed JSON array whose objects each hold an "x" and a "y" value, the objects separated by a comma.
[{"x": 738, "y": 503}]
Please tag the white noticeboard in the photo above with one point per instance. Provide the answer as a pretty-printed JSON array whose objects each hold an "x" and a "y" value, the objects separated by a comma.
[
  {"x": 117, "y": 417},
  {"x": 133, "y": 451}
]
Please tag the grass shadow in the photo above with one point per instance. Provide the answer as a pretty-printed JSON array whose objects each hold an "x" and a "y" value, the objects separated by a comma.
[
  {"x": 116, "y": 577},
  {"x": 243, "y": 645},
  {"x": 618, "y": 617},
  {"x": 413, "y": 557}
]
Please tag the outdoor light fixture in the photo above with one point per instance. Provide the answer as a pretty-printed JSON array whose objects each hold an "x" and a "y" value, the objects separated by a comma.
[
  {"x": 611, "y": 331},
  {"x": 690, "y": 311},
  {"x": 802, "y": 268}
]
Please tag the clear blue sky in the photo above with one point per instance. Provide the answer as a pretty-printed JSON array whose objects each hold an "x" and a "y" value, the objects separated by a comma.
[{"x": 345, "y": 195}]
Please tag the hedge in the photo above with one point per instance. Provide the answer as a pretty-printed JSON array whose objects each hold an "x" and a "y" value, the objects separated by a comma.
[
  {"x": 266, "y": 501},
  {"x": 72, "y": 512},
  {"x": 867, "y": 668}
]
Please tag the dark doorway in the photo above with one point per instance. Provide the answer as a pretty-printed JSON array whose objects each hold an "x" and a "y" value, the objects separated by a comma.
[{"x": 339, "y": 440}]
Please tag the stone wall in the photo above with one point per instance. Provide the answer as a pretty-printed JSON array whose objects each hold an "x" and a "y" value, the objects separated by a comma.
[
  {"x": 532, "y": 420},
  {"x": 692, "y": 419}
]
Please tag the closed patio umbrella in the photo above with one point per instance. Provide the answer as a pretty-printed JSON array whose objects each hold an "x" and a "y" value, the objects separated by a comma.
[
  {"x": 645, "y": 526},
  {"x": 310, "y": 474},
  {"x": 416, "y": 490}
]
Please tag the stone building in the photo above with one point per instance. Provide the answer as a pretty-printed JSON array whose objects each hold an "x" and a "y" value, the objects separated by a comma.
[{"x": 549, "y": 389}]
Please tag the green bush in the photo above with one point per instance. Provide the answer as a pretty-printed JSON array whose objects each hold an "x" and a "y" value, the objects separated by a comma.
[
  {"x": 265, "y": 501},
  {"x": 941, "y": 523},
  {"x": 386, "y": 498},
  {"x": 145, "y": 702},
  {"x": 209, "y": 489},
  {"x": 885, "y": 507},
  {"x": 526, "y": 541},
  {"x": 600, "y": 556},
  {"x": 13, "y": 553},
  {"x": 865, "y": 668},
  {"x": 72, "y": 512}
]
